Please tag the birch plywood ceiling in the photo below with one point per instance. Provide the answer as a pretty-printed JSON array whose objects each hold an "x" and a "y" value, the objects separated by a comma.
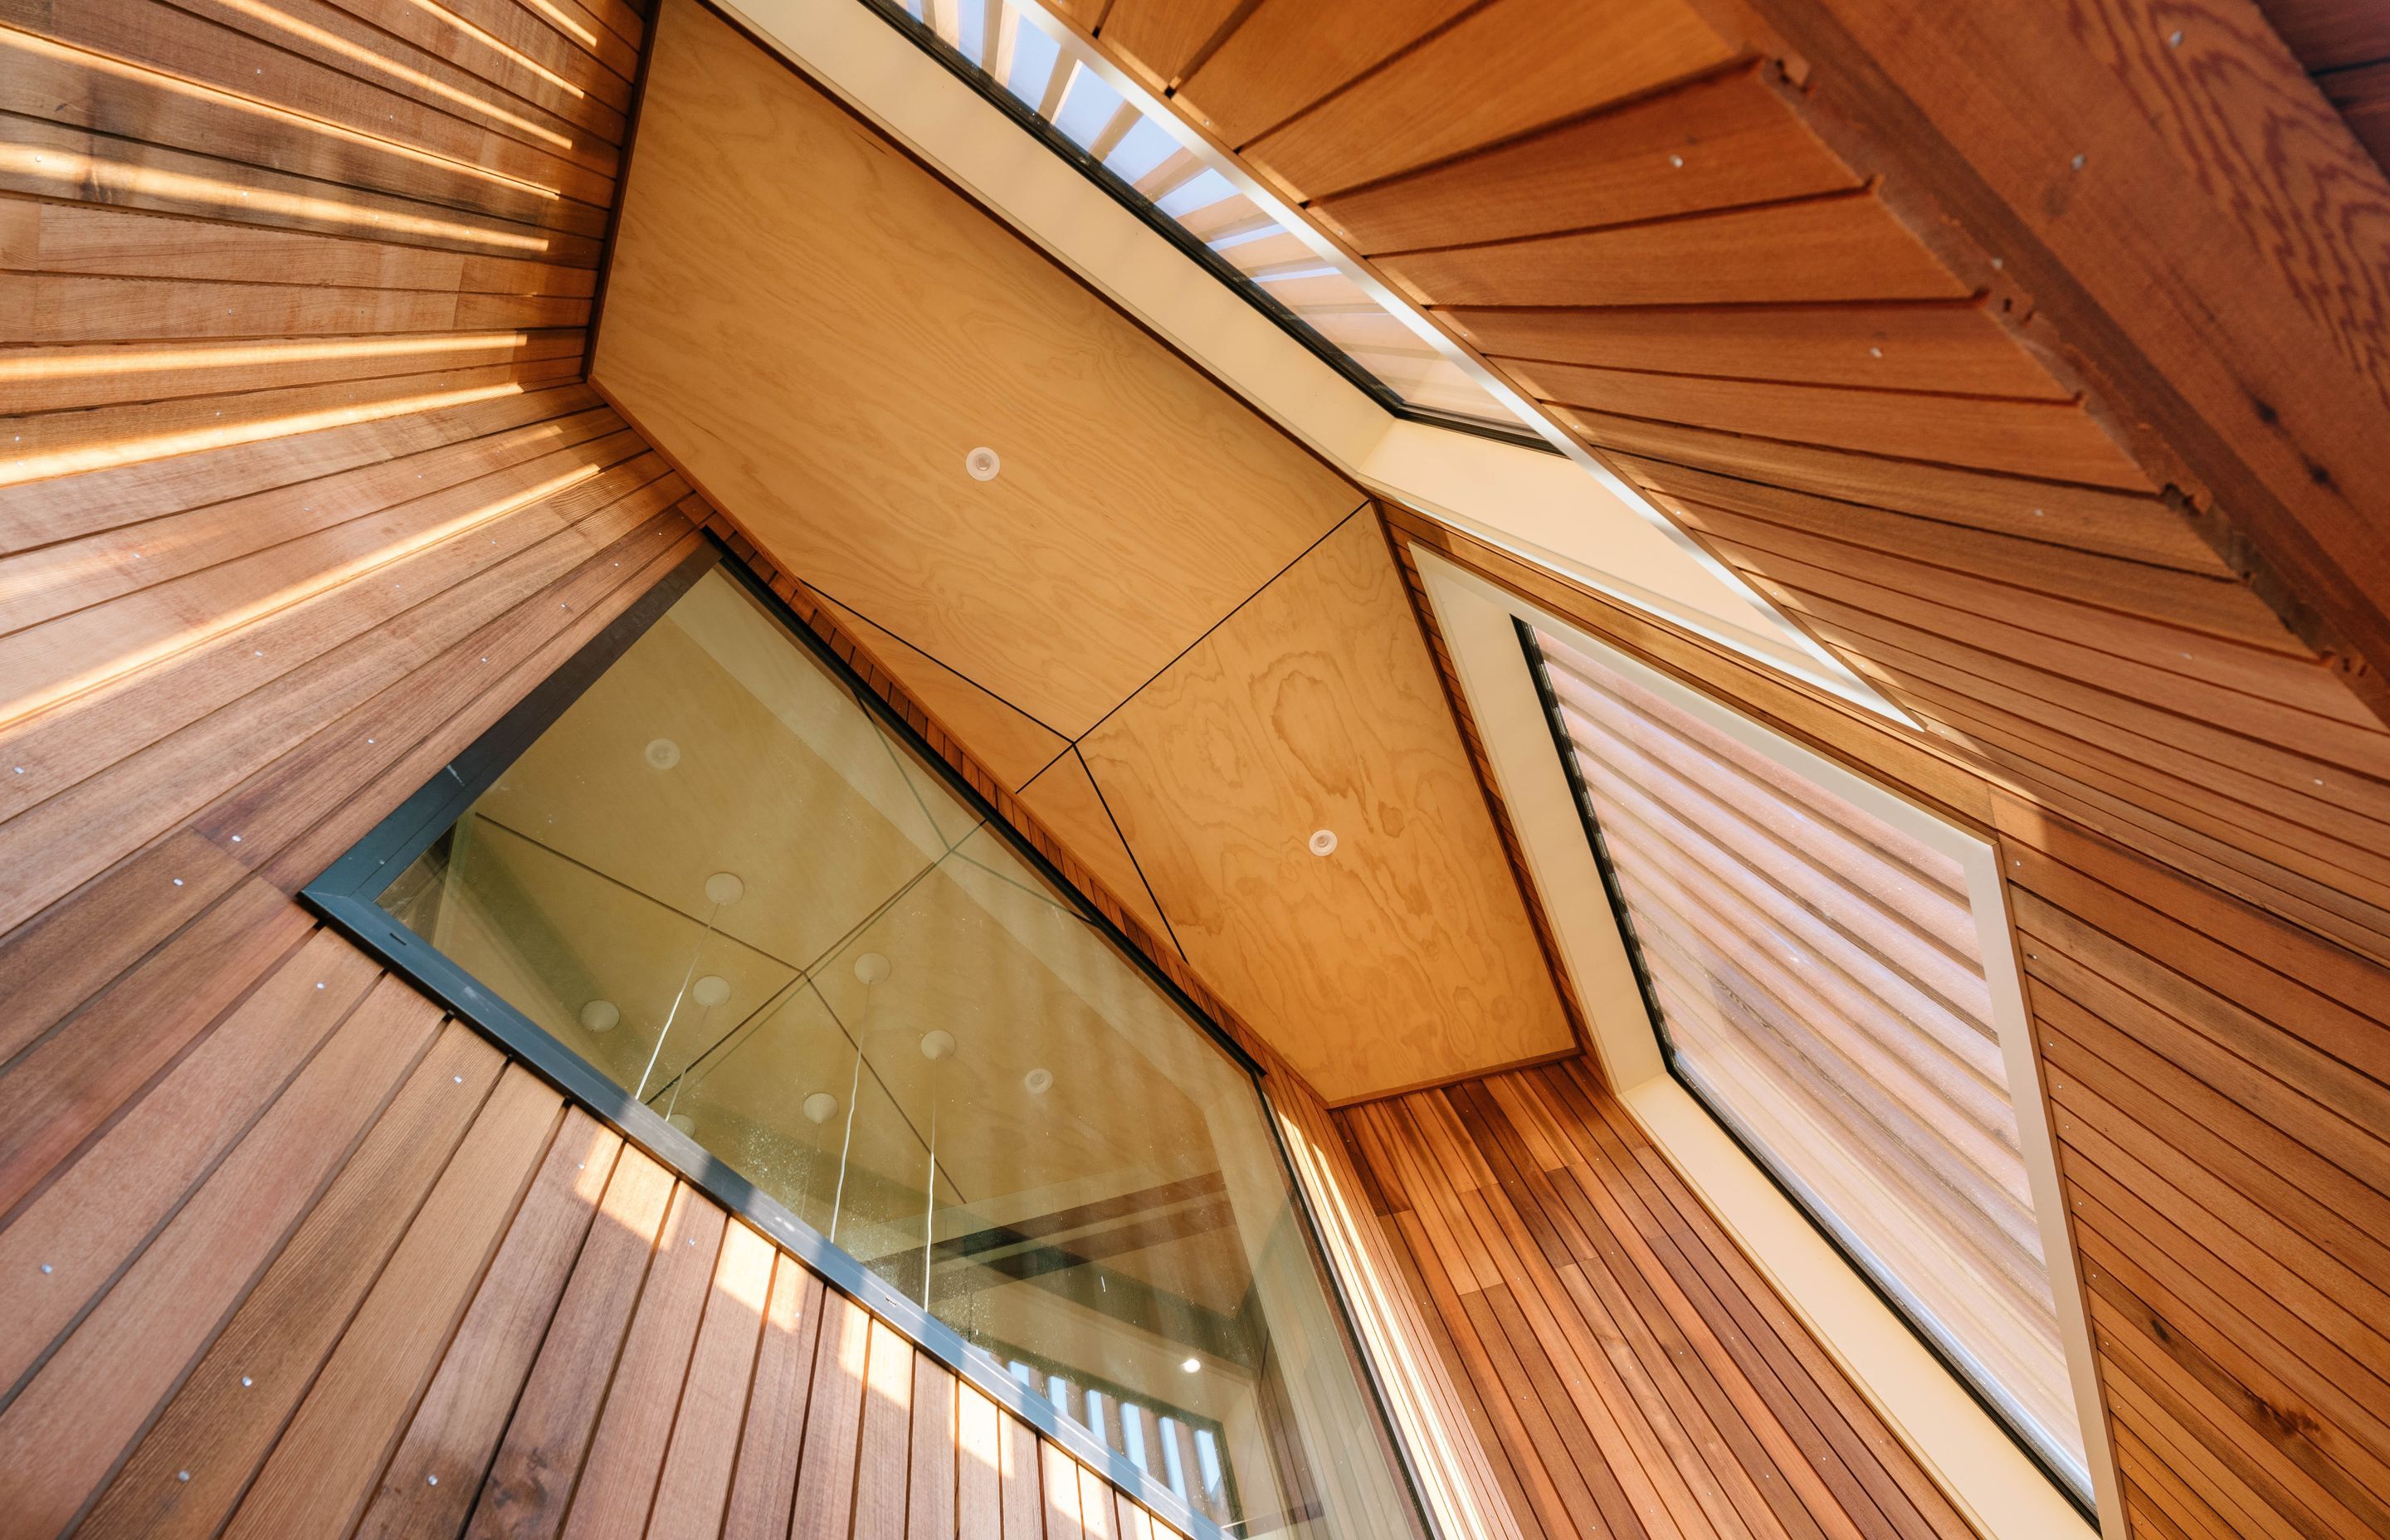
[{"x": 1170, "y": 630}]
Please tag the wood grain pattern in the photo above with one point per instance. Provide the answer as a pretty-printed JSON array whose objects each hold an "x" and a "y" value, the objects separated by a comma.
[
  {"x": 1138, "y": 503},
  {"x": 2211, "y": 1066},
  {"x": 1495, "y": 73},
  {"x": 1582, "y": 1291},
  {"x": 1717, "y": 144},
  {"x": 1840, "y": 247},
  {"x": 1315, "y": 707}
]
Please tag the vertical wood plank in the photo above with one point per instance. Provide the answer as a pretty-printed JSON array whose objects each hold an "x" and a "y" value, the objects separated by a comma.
[
  {"x": 531, "y": 1482},
  {"x": 764, "y": 1487},
  {"x": 68, "y": 1244},
  {"x": 86, "y": 1405},
  {"x": 323, "y": 1463},
  {"x": 979, "y": 1474},
  {"x": 428, "y": 1486},
  {"x": 929, "y": 1493},
  {"x": 196, "y": 1460},
  {"x": 618, "y": 1482},
  {"x": 880, "y": 1482},
  {"x": 693, "y": 1495},
  {"x": 825, "y": 1502}
]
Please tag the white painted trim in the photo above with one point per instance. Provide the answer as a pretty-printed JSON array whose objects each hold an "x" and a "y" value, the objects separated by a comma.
[
  {"x": 1999, "y": 1488},
  {"x": 1488, "y": 487}
]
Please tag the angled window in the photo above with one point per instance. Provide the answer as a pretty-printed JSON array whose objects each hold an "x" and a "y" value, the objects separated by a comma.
[
  {"x": 1017, "y": 55},
  {"x": 704, "y": 882},
  {"x": 1813, "y": 953}
]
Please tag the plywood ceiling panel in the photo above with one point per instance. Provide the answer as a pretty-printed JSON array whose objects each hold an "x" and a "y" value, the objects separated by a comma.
[
  {"x": 1316, "y": 706},
  {"x": 1065, "y": 799},
  {"x": 1013, "y": 745},
  {"x": 820, "y": 331}
]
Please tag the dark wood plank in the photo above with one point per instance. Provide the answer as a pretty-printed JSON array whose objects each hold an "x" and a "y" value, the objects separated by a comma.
[
  {"x": 529, "y": 1483},
  {"x": 428, "y": 1485},
  {"x": 1717, "y": 144}
]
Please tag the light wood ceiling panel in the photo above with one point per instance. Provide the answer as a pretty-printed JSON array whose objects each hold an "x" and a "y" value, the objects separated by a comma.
[
  {"x": 819, "y": 331},
  {"x": 1405, "y": 955},
  {"x": 820, "y": 353},
  {"x": 1013, "y": 746},
  {"x": 1065, "y": 799}
]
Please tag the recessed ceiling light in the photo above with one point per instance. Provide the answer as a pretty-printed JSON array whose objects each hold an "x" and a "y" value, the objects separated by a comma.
[
  {"x": 1038, "y": 1082},
  {"x": 1323, "y": 841},
  {"x": 712, "y": 990},
  {"x": 872, "y": 968},
  {"x": 663, "y": 752},
  {"x": 937, "y": 1045},
  {"x": 724, "y": 887},
  {"x": 601, "y": 1016},
  {"x": 820, "y": 1107},
  {"x": 1191, "y": 1364},
  {"x": 683, "y": 1122},
  {"x": 983, "y": 464}
]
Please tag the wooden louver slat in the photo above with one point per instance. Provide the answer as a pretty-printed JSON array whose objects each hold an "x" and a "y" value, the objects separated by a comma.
[{"x": 1818, "y": 979}]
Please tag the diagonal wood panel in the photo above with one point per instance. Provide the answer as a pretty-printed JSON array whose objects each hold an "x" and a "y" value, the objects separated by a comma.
[
  {"x": 829, "y": 406},
  {"x": 1408, "y": 951}
]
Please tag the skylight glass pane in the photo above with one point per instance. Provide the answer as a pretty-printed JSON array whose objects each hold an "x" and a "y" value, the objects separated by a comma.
[
  {"x": 1034, "y": 56},
  {"x": 1818, "y": 979},
  {"x": 1208, "y": 203},
  {"x": 1088, "y": 109},
  {"x": 1205, "y": 186},
  {"x": 1145, "y": 146}
]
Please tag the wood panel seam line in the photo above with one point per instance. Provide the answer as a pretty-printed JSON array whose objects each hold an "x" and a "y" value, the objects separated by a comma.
[
  {"x": 365, "y": 1290},
  {"x": 1860, "y": 454},
  {"x": 1134, "y": 865},
  {"x": 2054, "y": 403},
  {"x": 265, "y": 1263},
  {"x": 932, "y": 657},
  {"x": 395, "y": 1440},
  {"x": 436, "y": 449},
  {"x": 630, "y": 1316},
  {"x": 1220, "y": 622},
  {"x": 1865, "y": 192},
  {"x": 1742, "y": 61},
  {"x": 198, "y": 1178},
  {"x": 68, "y": 1017}
]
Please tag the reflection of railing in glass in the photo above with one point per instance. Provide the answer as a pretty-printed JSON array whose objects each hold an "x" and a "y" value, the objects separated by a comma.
[{"x": 729, "y": 885}]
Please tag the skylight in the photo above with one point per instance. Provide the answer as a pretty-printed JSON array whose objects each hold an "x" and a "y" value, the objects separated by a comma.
[{"x": 1315, "y": 293}]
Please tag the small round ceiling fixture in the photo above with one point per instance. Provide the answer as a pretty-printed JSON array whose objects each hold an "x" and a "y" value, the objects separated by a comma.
[
  {"x": 820, "y": 1107},
  {"x": 1323, "y": 841},
  {"x": 1038, "y": 1082},
  {"x": 683, "y": 1122},
  {"x": 1191, "y": 1364},
  {"x": 712, "y": 990},
  {"x": 601, "y": 1016},
  {"x": 724, "y": 887},
  {"x": 983, "y": 464},
  {"x": 663, "y": 752},
  {"x": 937, "y": 1045},
  {"x": 872, "y": 968}
]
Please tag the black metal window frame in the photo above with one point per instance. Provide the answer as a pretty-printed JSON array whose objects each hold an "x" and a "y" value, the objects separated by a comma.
[
  {"x": 1565, "y": 746},
  {"x": 345, "y": 896}
]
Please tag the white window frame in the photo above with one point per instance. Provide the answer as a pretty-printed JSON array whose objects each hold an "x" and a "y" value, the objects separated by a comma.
[{"x": 1972, "y": 1455}]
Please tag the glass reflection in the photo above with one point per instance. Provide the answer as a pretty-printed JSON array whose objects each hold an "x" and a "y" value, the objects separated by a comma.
[{"x": 720, "y": 879}]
